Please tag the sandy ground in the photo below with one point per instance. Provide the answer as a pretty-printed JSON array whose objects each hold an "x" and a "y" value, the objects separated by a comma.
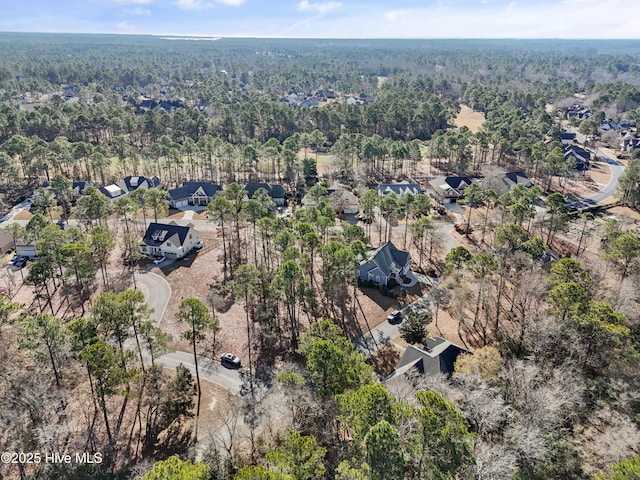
[{"x": 468, "y": 118}]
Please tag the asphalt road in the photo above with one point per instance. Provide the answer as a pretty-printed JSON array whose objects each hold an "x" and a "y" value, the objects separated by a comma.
[
  {"x": 610, "y": 188},
  {"x": 157, "y": 293}
]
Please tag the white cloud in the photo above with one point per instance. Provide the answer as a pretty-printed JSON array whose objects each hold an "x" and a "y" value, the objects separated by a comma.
[
  {"x": 192, "y": 4},
  {"x": 131, "y": 2},
  {"x": 231, "y": 3},
  {"x": 395, "y": 15},
  {"x": 124, "y": 26},
  {"x": 138, "y": 11},
  {"x": 318, "y": 7}
]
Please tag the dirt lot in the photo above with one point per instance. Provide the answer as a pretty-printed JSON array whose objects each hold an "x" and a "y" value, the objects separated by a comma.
[{"x": 468, "y": 118}]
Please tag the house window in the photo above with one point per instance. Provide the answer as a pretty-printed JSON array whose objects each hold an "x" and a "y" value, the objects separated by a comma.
[
  {"x": 168, "y": 244},
  {"x": 377, "y": 278}
]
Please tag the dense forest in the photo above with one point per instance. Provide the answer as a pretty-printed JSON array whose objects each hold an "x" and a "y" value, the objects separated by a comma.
[{"x": 549, "y": 387}]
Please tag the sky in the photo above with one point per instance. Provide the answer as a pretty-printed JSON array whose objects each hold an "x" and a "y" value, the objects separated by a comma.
[{"x": 330, "y": 18}]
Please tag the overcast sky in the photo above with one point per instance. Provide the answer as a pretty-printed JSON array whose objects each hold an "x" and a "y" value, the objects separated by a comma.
[{"x": 331, "y": 18}]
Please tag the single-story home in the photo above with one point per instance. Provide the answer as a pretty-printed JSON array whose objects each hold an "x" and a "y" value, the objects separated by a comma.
[
  {"x": 516, "y": 178},
  {"x": 387, "y": 263},
  {"x": 436, "y": 356},
  {"x": 6, "y": 242},
  {"x": 449, "y": 188},
  {"x": 193, "y": 193},
  {"x": 128, "y": 185},
  {"x": 400, "y": 189},
  {"x": 275, "y": 191},
  {"x": 169, "y": 239}
]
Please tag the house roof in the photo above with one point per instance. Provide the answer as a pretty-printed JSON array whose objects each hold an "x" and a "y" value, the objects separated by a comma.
[
  {"x": 388, "y": 259},
  {"x": 158, "y": 233},
  {"x": 275, "y": 190},
  {"x": 437, "y": 356},
  {"x": 517, "y": 178},
  {"x": 402, "y": 188},
  {"x": 455, "y": 183},
  {"x": 128, "y": 185},
  {"x": 5, "y": 239},
  {"x": 188, "y": 189},
  {"x": 80, "y": 186}
]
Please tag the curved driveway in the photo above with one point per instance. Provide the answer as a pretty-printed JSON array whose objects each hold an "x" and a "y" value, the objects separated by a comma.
[
  {"x": 610, "y": 188},
  {"x": 157, "y": 293}
]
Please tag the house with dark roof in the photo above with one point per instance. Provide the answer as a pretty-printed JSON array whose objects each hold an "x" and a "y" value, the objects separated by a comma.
[
  {"x": 129, "y": 184},
  {"x": 436, "y": 356},
  {"x": 512, "y": 179},
  {"x": 449, "y": 189},
  {"x": 387, "y": 264},
  {"x": 169, "y": 239},
  {"x": 400, "y": 189},
  {"x": 567, "y": 138},
  {"x": 193, "y": 193},
  {"x": 78, "y": 188},
  {"x": 580, "y": 156},
  {"x": 275, "y": 191}
]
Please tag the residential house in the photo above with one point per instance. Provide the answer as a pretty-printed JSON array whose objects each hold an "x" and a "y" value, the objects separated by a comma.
[
  {"x": 400, "y": 189},
  {"x": 449, "y": 189},
  {"x": 516, "y": 178},
  {"x": 581, "y": 156},
  {"x": 129, "y": 184},
  {"x": 275, "y": 191},
  {"x": 387, "y": 264},
  {"x": 171, "y": 240},
  {"x": 340, "y": 198},
  {"x": 567, "y": 138},
  {"x": 436, "y": 356},
  {"x": 344, "y": 201},
  {"x": 6, "y": 242},
  {"x": 193, "y": 193},
  {"x": 578, "y": 112},
  {"x": 78, "y": 189},
  {"x": 628, "y": 142}
]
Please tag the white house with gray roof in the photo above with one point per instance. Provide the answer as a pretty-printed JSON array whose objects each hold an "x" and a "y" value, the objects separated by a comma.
[
  {"x": 169, "y": 239},
  {"x": 385, "y": 264}
]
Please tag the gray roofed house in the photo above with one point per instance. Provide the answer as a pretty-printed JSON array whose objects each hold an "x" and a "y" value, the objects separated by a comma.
[
  {"x": 79, "y": 188},
  {"x": 275, "y": 191},
  {"x": 400, "y": 189},
  {"x": 128, "y": 185},
  {"x": 193, "y": 193},
  {"x": 449, "y": 188},
  {"x": 516, "y": 178},
  {"x": 387, "y": 263},
  {"x": 436, "y": 356},
  {"x": 169, "y": 239}
]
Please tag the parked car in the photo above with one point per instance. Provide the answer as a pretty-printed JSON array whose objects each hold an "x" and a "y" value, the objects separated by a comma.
[
  {"x": 14, "y": 259},
  {"x": 159, "y": 260},
  {"x": 395, "y": 317},
  {"x": 21, "y": 261},
  {"x": 199, "y": 245},
  {"x": 230, "y": 360}
]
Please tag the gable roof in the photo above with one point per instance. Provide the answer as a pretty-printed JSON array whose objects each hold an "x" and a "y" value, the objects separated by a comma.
[
  {"x": 401, "y": 188},
  {"x": 188, "y": 189},
  {"x": 275, "y": 190},
  {"x": 437, "y": 356},
  {"x": 517, "y": 178},
  {"x": 158, "y": 233},
  {"x": 388, "y": 259}
]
